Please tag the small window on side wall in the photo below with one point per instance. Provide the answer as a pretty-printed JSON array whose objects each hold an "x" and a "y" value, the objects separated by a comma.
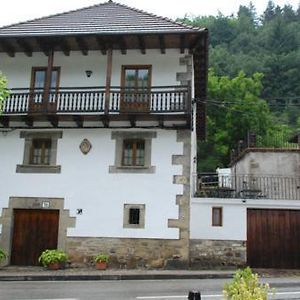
[
  {"x": 134, "y": 216},
  {"x": 217, "y": 216}
]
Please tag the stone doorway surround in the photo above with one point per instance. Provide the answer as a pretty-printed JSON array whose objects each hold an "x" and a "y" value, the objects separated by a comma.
[{"x": 6, "y": 219}]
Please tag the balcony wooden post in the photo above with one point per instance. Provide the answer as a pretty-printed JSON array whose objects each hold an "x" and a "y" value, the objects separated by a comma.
[
  {"x": 48, "y": 78},
  {"x": 108, "y": 79}
]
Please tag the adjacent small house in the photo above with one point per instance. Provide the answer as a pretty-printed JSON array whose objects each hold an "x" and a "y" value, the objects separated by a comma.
[
  {"x": 252, "y": 214},
  {"x": 98, "y": 135}
]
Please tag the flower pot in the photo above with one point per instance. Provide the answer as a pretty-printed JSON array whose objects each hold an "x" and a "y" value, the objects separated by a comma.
[
  {"x": 54, "y": 266},
  {"x": 102, "y": 265}
]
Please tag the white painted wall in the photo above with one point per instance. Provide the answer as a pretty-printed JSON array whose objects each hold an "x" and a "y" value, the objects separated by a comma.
[
  {"x": 234, "y": 216},
  {"x": 85, "y": 183},
  {"x": 164, "y": 67}
]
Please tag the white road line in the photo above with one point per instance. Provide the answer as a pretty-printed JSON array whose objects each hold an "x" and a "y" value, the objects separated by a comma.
[
  {"x": 286, "y": 293},
  {"x": 177, "y": 297},
  {"x": 51, "y": 299}
]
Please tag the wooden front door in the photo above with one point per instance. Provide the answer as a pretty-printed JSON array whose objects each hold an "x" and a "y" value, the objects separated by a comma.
[
  {"x": 135, "y": 91},
  {"x": 273, "y": 238},
  {"x": 38, "y": 100},
  {"x": 34, "y": 231}
]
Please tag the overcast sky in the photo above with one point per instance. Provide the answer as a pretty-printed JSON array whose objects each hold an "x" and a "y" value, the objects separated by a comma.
[{"x": 13, "y": 11}]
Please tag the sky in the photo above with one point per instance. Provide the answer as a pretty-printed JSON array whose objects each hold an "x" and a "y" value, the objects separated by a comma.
[{"x": 13, "y": 11}]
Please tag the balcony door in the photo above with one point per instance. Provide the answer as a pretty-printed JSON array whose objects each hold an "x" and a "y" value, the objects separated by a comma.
[
  {"x": 136, "y": 88},
  {"x": 40, "y": 99}
]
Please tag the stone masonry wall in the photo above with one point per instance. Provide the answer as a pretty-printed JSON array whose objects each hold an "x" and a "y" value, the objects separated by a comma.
[
  {"x": 217, "y": 253},
  {"x": 126, "y": 253}
]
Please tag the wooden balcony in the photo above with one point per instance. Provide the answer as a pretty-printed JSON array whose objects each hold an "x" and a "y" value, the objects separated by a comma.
[{"x": 157, "y": 103}]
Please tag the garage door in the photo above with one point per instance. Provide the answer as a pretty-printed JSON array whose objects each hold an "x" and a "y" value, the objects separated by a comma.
[
  {"x": 273, "y": 238},
  {"x": 34, "y": 231}
]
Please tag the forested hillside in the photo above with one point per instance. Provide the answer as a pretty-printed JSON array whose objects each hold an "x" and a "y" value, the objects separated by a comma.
[{"x": 254, "y": 81}]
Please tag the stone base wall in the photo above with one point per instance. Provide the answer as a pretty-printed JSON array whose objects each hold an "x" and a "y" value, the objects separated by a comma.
[
  {"x": 128, "y": 253},
  {"x": 217, "y": 253}
]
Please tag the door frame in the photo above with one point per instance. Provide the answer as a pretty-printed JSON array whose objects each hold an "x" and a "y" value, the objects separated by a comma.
[
  {"x": 135, "y": 106},
  {"x": 6, "y": 219},
  {"x": 45, "y": 103}
]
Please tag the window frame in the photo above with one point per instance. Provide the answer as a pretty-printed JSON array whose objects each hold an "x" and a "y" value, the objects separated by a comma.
[
  {"x": 33, "y": 77},
  {"x": 134, "y": 143},
  {"x": 46, "y": 144},
  {"x": 218, "y": 222},
  {"x": 119, "y": 137},
  {"x": 126, "y": 216},
  {"x": 28, "y": 166}
]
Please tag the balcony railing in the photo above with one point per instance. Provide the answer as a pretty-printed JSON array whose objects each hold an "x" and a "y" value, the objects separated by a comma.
[
  {"x": 248, "y": 187},
  {"x": 279, "y": 141},
  {"x": 164, "y": 99}
]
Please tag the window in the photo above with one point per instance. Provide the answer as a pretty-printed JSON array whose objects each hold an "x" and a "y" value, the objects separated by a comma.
[
  {"x": 40, "y": 152},
  {"x": 217, "y": 216},
  {"x": 134, "y": 216},
  {"x": 136, "y": 84},
  {"x": 40, "y": 149},
  {"x": 38, "y": 81},
  {"x": 133, "y": 152}
]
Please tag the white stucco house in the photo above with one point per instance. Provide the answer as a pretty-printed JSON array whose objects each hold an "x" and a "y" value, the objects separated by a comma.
[{"x": 98, "y": 135}]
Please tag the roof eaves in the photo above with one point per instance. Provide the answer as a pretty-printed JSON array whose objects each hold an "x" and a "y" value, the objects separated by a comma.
[{"x": 107, "y": 33}]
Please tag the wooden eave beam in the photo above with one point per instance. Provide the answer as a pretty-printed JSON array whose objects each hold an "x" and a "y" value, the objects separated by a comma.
[
  {"x": 28, "y": 121},
  {"x": 26, "y": 48},
  {"x": 4, "y": 120},
  {"x": 182, "y": 43},
  {"x": 7, "y": 47},
  {"x": 64, "y": 46},
  {"x": 199, "y": 42},
  {"x": 162, "y": 44},
  {"x": 82, "y": 45},
  {"x": 132, "y": 120},
  {"x": 102, "y": 45},
  {"x": 78, "y": 120},
  {"x": 105, "y": 121},
  {"x": 142, "y": 44},
  {"x": 123, "y": 45},
  {"x": 53, "y": 120},
  {"x": 161, "y": 122},
  {"x": 43, "y": 47}
]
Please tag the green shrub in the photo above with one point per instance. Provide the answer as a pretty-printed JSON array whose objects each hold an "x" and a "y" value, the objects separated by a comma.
[
  {"x": 3, "y": 255},
  {"x": 245, "y": 286},
  {"x": 101, "y": 258},
  {"x": 52, "y": 256}
]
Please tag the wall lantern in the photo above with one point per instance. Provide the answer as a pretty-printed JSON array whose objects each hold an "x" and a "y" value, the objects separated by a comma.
[{"x": 88, "y": 73}]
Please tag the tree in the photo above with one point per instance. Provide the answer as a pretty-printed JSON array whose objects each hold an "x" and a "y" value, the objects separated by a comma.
[
  {"x": 3, "y": 90},
  {"x": 234, "y": 108}
]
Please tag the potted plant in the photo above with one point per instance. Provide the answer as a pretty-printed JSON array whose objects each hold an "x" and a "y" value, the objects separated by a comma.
[
  {"x": 53, "y": 259},
  {"x": 101, "y": 261},
  {"x": 3, "y": 255}
]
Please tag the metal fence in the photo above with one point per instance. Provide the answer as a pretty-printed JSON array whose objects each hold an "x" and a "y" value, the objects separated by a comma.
[{"x": 247, "y": 186}]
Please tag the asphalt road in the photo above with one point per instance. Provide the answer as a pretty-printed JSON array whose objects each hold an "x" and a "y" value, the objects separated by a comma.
[{"x": 126, "y": 290}]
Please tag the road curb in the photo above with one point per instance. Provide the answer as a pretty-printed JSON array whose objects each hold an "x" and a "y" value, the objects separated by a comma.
[{"x": 112, "y": 277}]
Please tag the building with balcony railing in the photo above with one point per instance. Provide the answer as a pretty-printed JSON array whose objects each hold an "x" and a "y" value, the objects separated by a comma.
[
  {"x": 98, "y": 133},
  {"x": 251, "y": 215}
]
